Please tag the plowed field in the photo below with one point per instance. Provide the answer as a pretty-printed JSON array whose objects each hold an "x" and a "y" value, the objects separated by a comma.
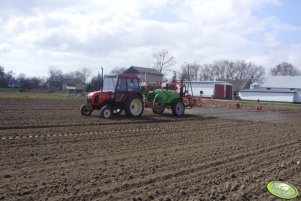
[{"x": 50, "y": 152}]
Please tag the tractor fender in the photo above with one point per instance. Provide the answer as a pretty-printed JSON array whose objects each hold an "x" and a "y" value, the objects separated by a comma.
[
  {"x": 133, "y": 94},
  {"x": 158, "y": 97},
  {"x": 155, "y": 98},
  {"x": 158, "y": 104},
  {"x": 140, "y": 95},
  {"x": 108, "y": 102}
]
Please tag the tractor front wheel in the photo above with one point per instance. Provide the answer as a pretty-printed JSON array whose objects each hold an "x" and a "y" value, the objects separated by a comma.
[
  {"x": 178, "y": 108},
  {"x": 85, "y": 110},
  {"x": 106, "y": 112},
  {"x": 134, "y": 106}
]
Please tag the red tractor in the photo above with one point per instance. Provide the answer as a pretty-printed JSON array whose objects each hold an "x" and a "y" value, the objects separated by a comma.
[{"x": 120, "y": 92}]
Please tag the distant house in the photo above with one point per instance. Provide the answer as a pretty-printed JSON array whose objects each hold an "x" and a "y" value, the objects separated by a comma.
[
  {"x": 13, "y": 83},
  {"x": 276, "y": 88},
  {"x": 145, "y": 74},
  {"x": 209, "y": 89},
  {"x": 238, "y": 85},
  {"x": 74, "y": 88}
]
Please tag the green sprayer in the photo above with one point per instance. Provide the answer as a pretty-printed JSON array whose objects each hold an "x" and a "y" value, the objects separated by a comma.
[{"x": 173, "y": 98}]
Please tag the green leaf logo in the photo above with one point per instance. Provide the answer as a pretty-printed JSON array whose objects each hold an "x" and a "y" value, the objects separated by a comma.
[{"x": 282, "y": 190}]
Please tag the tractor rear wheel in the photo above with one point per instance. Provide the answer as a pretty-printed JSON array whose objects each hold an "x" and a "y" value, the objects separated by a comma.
[
  {"x": 106, "y": 112},
  {"x": 134, "y": 106},
  {"x": 85, "y": 110},
  {"x": 178, "y": 108}
]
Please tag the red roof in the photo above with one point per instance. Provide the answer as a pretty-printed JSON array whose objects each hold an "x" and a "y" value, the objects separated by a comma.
[{"x": 134, "y": 76}]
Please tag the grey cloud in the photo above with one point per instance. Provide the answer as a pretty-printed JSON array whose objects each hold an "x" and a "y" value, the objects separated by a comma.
[
  {"x": 102, "y": 44},
  {"x": 13, "y": 8},
  {"x": 5, "y": 48},
  {"x": 127, "y": 38}
]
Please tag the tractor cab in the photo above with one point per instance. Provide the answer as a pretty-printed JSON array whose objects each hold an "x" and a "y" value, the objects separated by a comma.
[
  {"x": 119, "y": 92},
  {"x": 121, "y": 83},
  {"x": 109, "y": 82}
]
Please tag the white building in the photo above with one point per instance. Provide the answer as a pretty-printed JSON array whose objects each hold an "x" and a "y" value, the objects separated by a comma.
[
  {"x": 276, "y": 88},
  {"x": 209, "y": 89}
]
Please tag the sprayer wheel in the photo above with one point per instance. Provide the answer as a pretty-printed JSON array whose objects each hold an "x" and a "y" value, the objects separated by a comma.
[{"x": 178, "y": 108}]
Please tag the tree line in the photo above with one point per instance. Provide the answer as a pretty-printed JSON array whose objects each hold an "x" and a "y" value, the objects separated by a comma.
[
  {"x": 7, "y": 79},
  {"x": 163, "y": 62},
  {"x": 223, "y": 69},
  {"x": 55, "y": 81}
]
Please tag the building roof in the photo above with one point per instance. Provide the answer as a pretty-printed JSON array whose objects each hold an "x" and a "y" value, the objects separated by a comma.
[
  {"x": 286, "y": 82},
  {"x": 267, "y": 91},
  {"x": 143, "y": 70},
  {"x": 208, "y": 82},
  {"x": 238, "y": 85}
]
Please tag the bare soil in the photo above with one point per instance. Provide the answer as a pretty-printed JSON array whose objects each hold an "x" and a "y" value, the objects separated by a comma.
[{"x": 50, "y": 152}]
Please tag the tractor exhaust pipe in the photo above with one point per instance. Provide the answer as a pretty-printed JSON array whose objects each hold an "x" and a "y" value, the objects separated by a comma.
[{"x": 101, "y": 84}]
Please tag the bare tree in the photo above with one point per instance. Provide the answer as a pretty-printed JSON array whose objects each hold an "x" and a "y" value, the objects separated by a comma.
[
  {"x": 85, "y": 73},
  {"x": 206, "y": 73},
  {"x": 163, "y": 61},
  {"x": 55, "y": 73},
  {"x": 225, "y": 69},
  {"x": 3, "y": 82},
  {"x": 78, "y": 77},
  {"x": 184, "y": 73},
  {"x": 94, "y": 84},
  {"x": 118, "y": 70},
  {"x": 56, "y": 78},
  {"x": 230, "y": 69},
  {"x": 29, "y": 83},
  {"x": 190, "y": 71},
  {"x": 285, "y": 69},
  {"x": 5, "y": 78},
  {"x": 194, "y": 71},
  {"x": 249, "y": 71}
]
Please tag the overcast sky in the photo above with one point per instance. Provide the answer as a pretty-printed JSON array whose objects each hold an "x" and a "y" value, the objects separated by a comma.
[{"x": 35, "y": 35}]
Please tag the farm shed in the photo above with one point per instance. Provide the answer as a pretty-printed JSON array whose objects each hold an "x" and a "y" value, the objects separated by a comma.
[
  {"x": 209, "y": 89},
  {"x": 276, "y": 88},
  {"x": 238, "y": 84},
  {"x": 145, "y": 74}
]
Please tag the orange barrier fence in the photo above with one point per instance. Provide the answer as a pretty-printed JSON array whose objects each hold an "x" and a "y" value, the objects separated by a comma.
[{"x": 230, "y": 104}]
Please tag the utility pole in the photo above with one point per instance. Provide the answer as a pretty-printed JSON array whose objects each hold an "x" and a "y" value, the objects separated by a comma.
[
  {"x": 101, "y": 79},
  {"x": 98, "y": 78},
  {"x": 188, "y": 72},
  {"x": 174, "y": 75}
]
